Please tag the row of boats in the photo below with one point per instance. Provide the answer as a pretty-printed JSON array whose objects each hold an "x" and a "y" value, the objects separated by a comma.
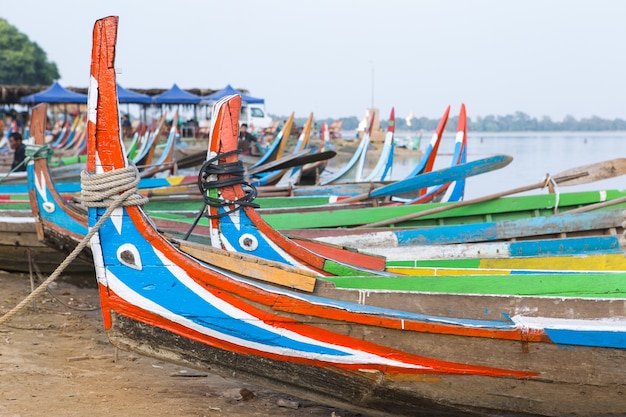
[{"x": 366, "y": 299}]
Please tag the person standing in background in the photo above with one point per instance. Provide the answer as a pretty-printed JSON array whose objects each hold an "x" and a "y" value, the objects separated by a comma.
[
  {"x": 247, "y": 141},
  {"x": 16, "y": 143}
]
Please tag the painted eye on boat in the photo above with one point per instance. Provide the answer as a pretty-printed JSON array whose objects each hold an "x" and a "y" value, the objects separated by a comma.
[
  {"x": 129, "y": 256},
  {"x": 49, "y": 207},
  {"x": 248, "y": 242}
]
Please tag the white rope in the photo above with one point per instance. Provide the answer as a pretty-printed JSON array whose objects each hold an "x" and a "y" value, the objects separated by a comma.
[
  {"x": 553, "y": 186},
  {"x": 102, "y": 190}
]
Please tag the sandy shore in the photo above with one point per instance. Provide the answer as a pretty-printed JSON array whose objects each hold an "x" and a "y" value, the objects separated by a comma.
[{"x": 55, "y": 360}]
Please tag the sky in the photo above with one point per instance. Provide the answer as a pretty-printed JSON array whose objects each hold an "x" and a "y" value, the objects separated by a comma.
[{"x": 336, "y": 58}]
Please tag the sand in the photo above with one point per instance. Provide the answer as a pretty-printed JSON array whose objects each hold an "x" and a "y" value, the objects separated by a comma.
[{"x": 55, "y": 360}]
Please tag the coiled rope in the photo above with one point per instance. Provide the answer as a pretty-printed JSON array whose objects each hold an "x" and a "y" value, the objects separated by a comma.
[
  {"x": 112, "y": 190},
  {"x": 236, "y": 170},
  {"x": 210, "y": 170}
]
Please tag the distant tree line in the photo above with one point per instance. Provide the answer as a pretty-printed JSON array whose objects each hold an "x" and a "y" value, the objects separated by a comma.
[{"x": 518, "y": 122}]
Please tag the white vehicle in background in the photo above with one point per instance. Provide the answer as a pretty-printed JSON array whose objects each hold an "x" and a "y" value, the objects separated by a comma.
[{"x": 255, "y": 116}]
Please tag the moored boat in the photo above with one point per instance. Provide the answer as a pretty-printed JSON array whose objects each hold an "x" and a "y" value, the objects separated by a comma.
[{"x": 364, "y": 345}]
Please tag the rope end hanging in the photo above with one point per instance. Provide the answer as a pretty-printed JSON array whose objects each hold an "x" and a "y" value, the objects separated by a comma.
[{"x": 553, "y": 188}]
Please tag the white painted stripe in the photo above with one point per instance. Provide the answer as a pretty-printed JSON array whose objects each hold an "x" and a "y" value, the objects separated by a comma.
[
  {"x": 465, "y": 250},
  {"x": 610, "y": 324},
  {"x": 352, "y": 357},
  {"x": 10, "y": 219},
  {"x": 92, "y": 100},
  {"x": 603, "y": 195},
  {"x": 365, "y": 240}
]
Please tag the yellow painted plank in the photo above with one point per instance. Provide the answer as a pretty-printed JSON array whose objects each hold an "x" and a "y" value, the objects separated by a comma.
[
  {"x": 608, "y": 262},
  {"x": 251, "y": 266}
]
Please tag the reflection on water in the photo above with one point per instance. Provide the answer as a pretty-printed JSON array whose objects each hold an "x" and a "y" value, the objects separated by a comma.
[{"x": 534, "y": 154}]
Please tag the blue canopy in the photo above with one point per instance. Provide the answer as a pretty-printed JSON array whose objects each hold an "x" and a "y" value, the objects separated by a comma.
[
  {"x": 127, "y": 96},
  {"x": 229, "y": 91},
  {"x": 55, "y": 94},
  {"x": 177, "y": 96}
]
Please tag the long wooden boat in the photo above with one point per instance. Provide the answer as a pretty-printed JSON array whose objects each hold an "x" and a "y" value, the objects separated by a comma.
[
  {"x": 277, "y": 148},
  {"x": 22, "y": 251},
  {"x": 311, "y": 172},
  {"x": 60, "y": 223},
  {"x": 459, "y": 157},
  {"x": 348, "y": 172},
  {"x": 165, "y": 161},
  {"x": 56, "y": 222},
  {"x": 505, "y": 208},
  {"x": 273, "y": 177},
  {"x": 602, "y": 222},
  {"x": 291, "y": 176},
  {"x": 524, "y": 345},
  {"x": 385, "y": 160},
  {"x": 428, "y": 159}
]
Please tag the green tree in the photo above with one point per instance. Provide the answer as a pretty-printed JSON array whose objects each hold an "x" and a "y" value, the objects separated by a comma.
[{"x": 22, "y": 61}]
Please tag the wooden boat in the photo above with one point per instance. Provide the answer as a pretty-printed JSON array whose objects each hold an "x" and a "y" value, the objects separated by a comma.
[
  {"x": 49, "y": 208},
  {"x": 435, "y": 214},
  {"x": 57, "y": 228},
  {"x": 273, "y": 177},
  {"x": 350, "y": 171},
  {"x": 165, "y": 161},
  {"x": 311, "y": 172},
  {"x": 62, "y": 225},
  {"x": 291, "y": 176},
  {"x": 147, "y": 146},
  {"x": 21, "y": 250},
  {"x": 456, "y": 188},
  {"x": 382, "y": 169},
  {"x": 277, "y": 148},
  {"x": 602, "y": 222},
  {"x": 428, "y": 159},
  {"x": 376, "y": 346}
]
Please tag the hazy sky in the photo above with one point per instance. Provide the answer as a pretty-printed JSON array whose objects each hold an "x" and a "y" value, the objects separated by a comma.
[{"x": 335, "y": 57}]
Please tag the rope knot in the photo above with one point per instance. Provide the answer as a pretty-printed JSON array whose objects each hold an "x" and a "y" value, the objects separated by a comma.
[
  {"x": 553, "y": 188},
  {"x": 208, "y": 179},
  {"x": 38, "y": 151},
  {"x": 111, "y": 187}
]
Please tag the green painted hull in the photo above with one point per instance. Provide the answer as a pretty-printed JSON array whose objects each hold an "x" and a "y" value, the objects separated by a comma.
[
  {"x": 507, "y": 208},
  {"x": 593, "y": 285}
]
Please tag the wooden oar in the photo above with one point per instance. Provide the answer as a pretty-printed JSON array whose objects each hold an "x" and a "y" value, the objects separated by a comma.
[
  {"x": 591, "y": 207},
  {"x": 574, "y": 176},
  {"x": 432, "y": 178},
  {"x": 300, "y": 158}
]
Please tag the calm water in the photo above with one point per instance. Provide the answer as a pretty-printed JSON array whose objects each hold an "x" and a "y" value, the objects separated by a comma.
[{"x": 534, "y": 154}]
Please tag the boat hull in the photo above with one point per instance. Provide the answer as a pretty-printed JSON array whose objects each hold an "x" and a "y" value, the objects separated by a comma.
[
  {"x": 384, "y": 394},
  {"x": 19, "y": 244}
]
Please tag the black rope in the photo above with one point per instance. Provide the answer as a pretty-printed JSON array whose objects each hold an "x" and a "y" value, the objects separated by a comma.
[{"x": 237, "y": 171}]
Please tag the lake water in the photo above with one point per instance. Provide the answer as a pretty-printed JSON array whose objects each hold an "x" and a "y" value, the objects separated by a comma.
[{"x": 534, "y": 154}]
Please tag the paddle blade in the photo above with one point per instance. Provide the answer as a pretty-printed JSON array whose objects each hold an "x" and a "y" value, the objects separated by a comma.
[
  {"x": 592, "y": 172},
  {"x": 443, "y": 176}
]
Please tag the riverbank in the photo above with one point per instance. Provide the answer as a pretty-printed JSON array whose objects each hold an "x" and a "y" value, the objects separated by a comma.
[{"x": 55, "y": 359}]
